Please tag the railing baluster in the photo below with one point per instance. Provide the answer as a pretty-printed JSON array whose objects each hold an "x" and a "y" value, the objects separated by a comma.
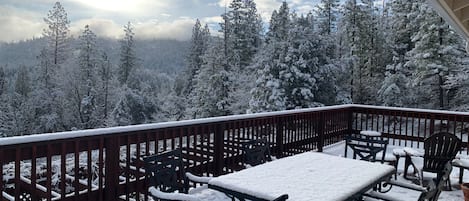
[
  {"x": 49, "y": 173},
  {"x": 34, "y": 173},
  {"x": 63, "y": 169},
  {"x": 17, "y": 173}
]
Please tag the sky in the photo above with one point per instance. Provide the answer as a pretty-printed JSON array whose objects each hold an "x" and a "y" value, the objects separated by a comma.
[{"x": 152, "y": 19}]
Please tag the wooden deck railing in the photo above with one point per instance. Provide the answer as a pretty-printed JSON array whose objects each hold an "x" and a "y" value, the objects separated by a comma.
[{"x": 105, "y": 164}]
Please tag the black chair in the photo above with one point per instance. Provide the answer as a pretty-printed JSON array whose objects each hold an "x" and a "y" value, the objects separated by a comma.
[
  {"x": 429, "y": 193},
  {"x": 440, "y": 148},
  {"x": 166, "y": 177},
  {"x": 256, "y": 151},
  {"x": 366, "y": 148}
]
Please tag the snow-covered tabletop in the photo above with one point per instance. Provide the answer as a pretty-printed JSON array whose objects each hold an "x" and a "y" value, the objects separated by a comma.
[{"x": 308, "y": 176}]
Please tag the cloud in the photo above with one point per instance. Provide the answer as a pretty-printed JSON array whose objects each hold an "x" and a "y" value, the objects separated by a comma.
[
  {"x": 18, "y": 25},
  {"x": 180, "y": 29},
  {"x": 101, "y": 27}
]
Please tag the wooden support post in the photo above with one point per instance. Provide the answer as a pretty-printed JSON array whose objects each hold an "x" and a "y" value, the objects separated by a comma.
[
  {"x": 321, "y": 128},
  {"x": 279, "y": 137},
  {"x": 112, "y": 168},
  {"x": 218, "y": 149}
]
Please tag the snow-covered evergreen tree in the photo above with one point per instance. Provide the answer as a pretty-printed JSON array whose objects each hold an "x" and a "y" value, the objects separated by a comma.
[
  {"x": 436, "y": 55},
  {"x": 242, "y": 29},
  {"x": 361, "y": 37},
  {"x": 57, "y": 34},
  {"x": 327, "y": 13},
  {"x": 23, "y": 81},
  {"x": 301, "y": 64},
  {"x": 128, "y": 58},
  {"x": 3, "y": 81},
  {"x": 104, "y": 87},
  {"x": 85, "y": 89},
  {"x": 199, "y": 44},
  {"x": 268, "y": 94},
  {"x": 132, "y": 108},
  {"x": 210, "y": 95},
  {"x": 401, "y": 30}
]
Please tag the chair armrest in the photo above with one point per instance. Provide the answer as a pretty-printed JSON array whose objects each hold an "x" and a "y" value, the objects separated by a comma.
[
  {"x": 408, "y": 186},
  {"x": 198, "y": 179},
  {"x": 171, "y": 196},
  {"x": 282, "y": 198},
  {"x": 413, "y": 152}
]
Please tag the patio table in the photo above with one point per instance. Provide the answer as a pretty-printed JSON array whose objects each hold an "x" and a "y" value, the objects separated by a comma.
[{"x": 308, "y": 176}]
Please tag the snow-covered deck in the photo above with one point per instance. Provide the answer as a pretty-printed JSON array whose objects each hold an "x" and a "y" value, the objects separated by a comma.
[{"x": 51, "y": 163}]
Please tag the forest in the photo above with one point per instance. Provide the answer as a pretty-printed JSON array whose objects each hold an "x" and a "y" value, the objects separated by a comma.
[{"x": 401, "y": 54}]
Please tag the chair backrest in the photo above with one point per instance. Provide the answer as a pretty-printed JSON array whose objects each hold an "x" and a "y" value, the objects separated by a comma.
[
  {"x": 435, "y": 187},
  {"x": 165, "y": 171},
  {"x": 366, "y": 148},
  {"x": 256, "y": 151},
  {"x": 440, "y": 148}
]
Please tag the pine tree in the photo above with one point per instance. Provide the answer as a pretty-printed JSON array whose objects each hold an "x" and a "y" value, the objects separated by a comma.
[
  {"x": 436, "y": 55},
  {"x": 22, "y": 83},
  {"x": 199, "y": 44},
  {"x": 268, "y": 94},
  {"x": 3, "y": 81},
  {"x": 242, "y": 31},
  {"x": 361, "y": 36},
  {"x": 128, "y": 58},
  {"x": 302, "y": 62},
  {"x": 401, "y": 30},
  {"x": 105, "y": 77},
  {"x": 327, "y": 13},
  {"x": 57, "y": 34},
  {"x": 210, "y": 95},
  {"x": 85, "y": 94}
]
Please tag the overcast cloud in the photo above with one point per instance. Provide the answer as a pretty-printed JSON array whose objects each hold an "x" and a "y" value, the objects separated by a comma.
[{"x": 169, "y": 19}]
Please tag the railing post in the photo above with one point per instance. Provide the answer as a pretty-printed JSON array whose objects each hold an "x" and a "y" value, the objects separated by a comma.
[
  {"x": 321, "y": 128},
  {"x": 432, "y": 126},
  {"x": 350, "y": 121},
  {"x": 279, "y": 137},
  {"x": 112, "y": 168},
  {"x": 218, "y": 149}
]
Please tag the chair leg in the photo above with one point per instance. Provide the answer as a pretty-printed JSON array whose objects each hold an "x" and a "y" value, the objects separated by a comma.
[
  {"x": 395, "y": 165},
  {"x": 448, "y": 182},
  {"x": 461, "y": 172}
]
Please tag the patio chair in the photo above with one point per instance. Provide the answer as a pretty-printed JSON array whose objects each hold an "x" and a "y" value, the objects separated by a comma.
[
  {"x": 366, "y": 148},
  {"x": 256, "y": 151},
  {"x": 440, "y": 148},
  {"x": 166, "y": 177},
  {"x": 429, "y": 193}
]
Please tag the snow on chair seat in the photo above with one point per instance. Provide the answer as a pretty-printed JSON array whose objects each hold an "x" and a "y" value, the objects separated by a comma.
[{"x": 370, "y": 133}]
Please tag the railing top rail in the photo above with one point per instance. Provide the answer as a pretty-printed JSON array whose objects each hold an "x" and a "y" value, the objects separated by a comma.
[
  {"x": 124, "y": 129},
  {"x": 444, "y": 112}
]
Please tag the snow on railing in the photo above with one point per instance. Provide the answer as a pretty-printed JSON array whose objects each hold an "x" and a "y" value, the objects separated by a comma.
[{"x": 142, "y": 127}]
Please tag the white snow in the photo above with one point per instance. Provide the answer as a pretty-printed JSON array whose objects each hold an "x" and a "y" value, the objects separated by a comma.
[
  {"x": 305, "y": 177},
  {"x": 172, "y": 196},
  {"x": 371, "y": 133}
]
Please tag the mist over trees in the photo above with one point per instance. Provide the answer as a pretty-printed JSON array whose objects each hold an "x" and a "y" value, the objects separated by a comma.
[{"x": 400, "y": 54}]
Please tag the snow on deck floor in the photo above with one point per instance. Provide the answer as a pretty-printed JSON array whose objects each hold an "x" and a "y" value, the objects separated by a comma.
[{"x": 396, "y": 192}]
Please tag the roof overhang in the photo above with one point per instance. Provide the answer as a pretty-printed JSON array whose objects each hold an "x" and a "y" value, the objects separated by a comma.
[{"x": 455, "y": 12}]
